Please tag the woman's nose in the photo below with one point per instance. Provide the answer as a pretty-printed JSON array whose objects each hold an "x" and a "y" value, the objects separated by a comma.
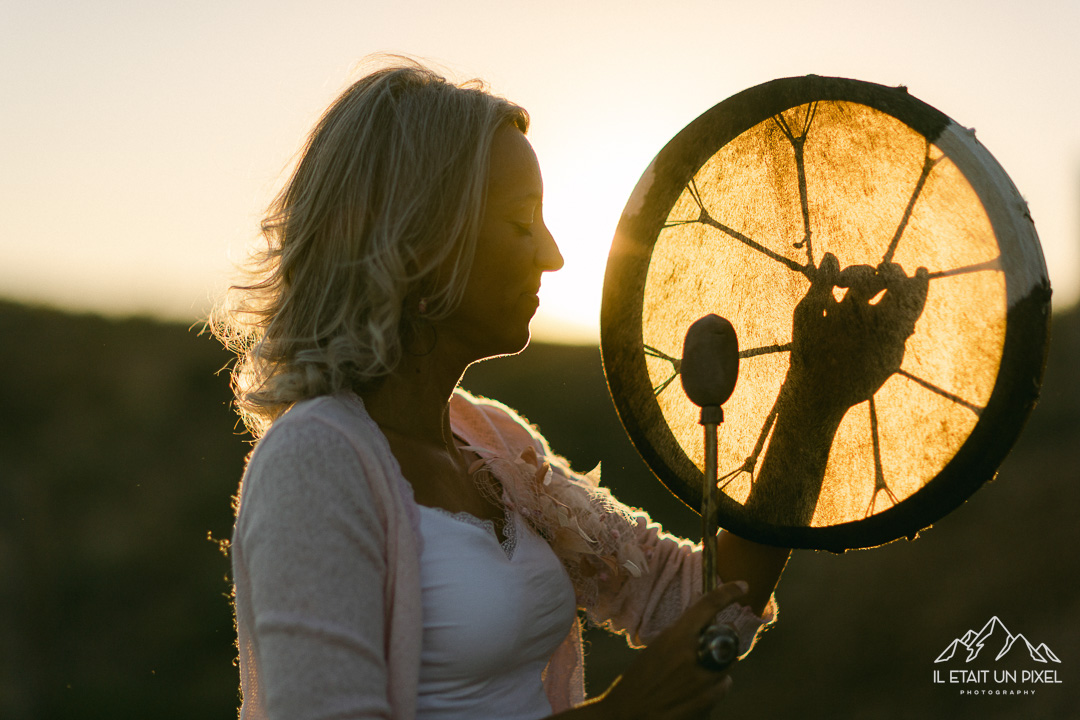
[{"x": 548, "y": 257}]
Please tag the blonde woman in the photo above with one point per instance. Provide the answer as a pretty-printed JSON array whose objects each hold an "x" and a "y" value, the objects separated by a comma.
[{"x": 403, "y": 549}]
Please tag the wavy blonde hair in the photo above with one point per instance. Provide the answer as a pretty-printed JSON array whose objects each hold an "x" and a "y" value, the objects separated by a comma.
[{"x": 381, "y": 211}]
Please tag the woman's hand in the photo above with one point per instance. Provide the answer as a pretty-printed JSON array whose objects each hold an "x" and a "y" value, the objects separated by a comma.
[
  {"x": 844, "y": 351},
  {"x": 666, "y": 682}
]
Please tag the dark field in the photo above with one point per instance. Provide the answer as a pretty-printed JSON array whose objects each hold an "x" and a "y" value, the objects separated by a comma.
[{"x": 119, "y": 456}]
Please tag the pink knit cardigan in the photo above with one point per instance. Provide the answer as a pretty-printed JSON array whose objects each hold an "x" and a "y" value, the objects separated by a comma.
[{"x": 326, "y": 552}]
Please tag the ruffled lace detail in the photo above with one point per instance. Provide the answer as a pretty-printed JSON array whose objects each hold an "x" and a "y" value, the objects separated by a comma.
[
  {"x": 508, "y": 544},
  {"x": 588, "y": 530}
]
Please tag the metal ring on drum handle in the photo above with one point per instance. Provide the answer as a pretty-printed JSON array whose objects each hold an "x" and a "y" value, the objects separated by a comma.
[{"x": 718, "y": 646}]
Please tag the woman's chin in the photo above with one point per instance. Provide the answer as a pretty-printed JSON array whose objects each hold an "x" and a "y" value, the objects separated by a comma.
[{"x": 508, "y": 344}]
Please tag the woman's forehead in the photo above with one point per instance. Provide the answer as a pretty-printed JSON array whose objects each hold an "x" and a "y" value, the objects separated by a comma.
[{"x": 514, "y": 173}]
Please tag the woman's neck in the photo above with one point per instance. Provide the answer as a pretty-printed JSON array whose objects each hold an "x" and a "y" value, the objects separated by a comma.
[
  {"x": 414, "y": 400},
  {"x": 412, "y": 408}
]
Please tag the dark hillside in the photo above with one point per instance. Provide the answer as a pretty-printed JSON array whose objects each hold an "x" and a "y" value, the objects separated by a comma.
[
  {"x": 119, "y": 456},
  {"x": 117, "y": 459}
]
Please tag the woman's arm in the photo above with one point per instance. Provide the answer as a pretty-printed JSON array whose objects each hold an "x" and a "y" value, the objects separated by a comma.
[
  {"x": 758, "y": 565},
  {"x": 310, "y": 556},
  {"x": 666, "y": 682},
  {"x": 643, "y": 606}
]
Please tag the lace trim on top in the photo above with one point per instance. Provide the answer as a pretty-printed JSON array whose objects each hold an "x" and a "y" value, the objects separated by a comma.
[
  {"x": 590, "y": 532},
  {"x": 509, "y": 544}
]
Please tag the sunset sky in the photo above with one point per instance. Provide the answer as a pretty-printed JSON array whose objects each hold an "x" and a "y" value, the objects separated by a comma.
[{"x": 141, "y": 141}]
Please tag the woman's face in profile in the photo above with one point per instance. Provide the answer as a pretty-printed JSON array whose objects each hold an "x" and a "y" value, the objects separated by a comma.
[{"x": 513, "y": 250}]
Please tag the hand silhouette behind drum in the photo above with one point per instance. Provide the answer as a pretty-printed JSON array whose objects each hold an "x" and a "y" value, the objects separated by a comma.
[{"x": 842, "y": 352}]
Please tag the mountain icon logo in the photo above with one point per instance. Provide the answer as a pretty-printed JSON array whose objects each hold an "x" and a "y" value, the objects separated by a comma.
[{"x": 993, "y": 635}]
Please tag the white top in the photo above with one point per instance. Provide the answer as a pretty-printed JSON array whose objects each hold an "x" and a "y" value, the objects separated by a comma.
[{"x": 493, "y": 614}]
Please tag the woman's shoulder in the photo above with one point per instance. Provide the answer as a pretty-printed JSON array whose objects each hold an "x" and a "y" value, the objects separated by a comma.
[
  {"x": 329, "y": 428},
  {"x": 464, "y": 403},
  {"x": 342, "y": 414},
  {"x": 490, "y": 423},
  {"x": 321, "y": 452}
]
